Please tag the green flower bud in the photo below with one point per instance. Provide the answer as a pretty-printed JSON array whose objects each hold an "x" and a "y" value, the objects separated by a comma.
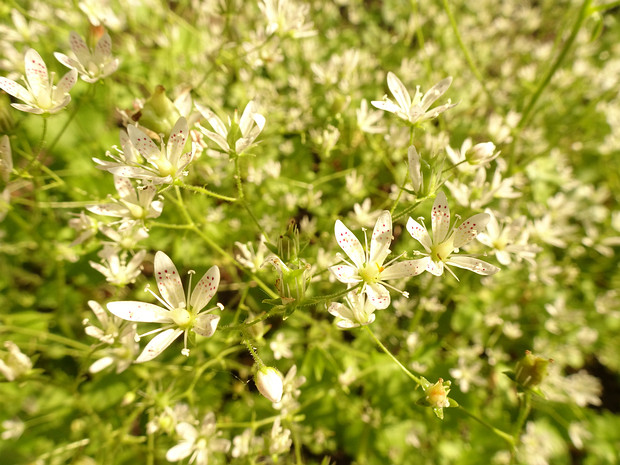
[{"x": 531, "y": 370}]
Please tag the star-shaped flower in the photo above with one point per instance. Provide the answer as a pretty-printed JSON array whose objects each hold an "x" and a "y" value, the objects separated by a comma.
[
  {"x": 40, "y": 94},
  {"x": 133, "y": 204},
  {"x": 180, "y": 315},
  {"x": 368, "y": 267},
  {"x": 414, "y": 110},
  {"x": 445, "y": 240},
  {"x": 140, "y": 157},
  {"x": 240, "y": 133},
  {"x": 94, "y": 65},
  {"x": 359, "y": 311}
]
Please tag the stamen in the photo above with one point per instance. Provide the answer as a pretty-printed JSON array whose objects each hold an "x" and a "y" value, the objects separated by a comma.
[
  {"x": 137, "y": 337},
  {"x": 393, "y": 260},
  {"x": 159, "y": 299},
  {"x": 189, "y": 287}
]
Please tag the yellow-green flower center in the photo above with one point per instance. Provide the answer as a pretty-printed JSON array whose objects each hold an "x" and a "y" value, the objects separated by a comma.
[
  {"x": 181, "y": 317},
  {"x": 165, "y": 167},
  {"x": 441, "y": 252},
  {"x": 370, "y": 272}
]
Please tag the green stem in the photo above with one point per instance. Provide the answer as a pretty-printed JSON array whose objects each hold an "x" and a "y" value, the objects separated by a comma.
[
  {"x": 525, "y": 405},
  {"x": 327, "y": 298},
  {"x": 44, "y": 335},
  {"x": 241, "y": 196},
  {"x": 465, "y": 50},
  {"x": 505, "y": 436},
  {"x": 583, "y": 13},
  {"x": 191, "y": 225},
  {"x": 88, "y": 96},
  {"x": 202, "y": 190},
  {"x": 252, "y": 351},
  {"x": 415, "y": 379},
  {"x": 410, "y": 208},
  {"x": 604, "y": 7}
]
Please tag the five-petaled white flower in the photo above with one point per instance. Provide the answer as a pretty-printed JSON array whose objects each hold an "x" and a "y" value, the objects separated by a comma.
[
  {"x": 142, "y": 159},
  {"x": 368, "y": 267},
  {"x": 197, "y": 443},
  {"x": 414, "y": 110},
  {"x": 240, "y": 133},
  {"x": 91, "y": 66},
  {"x": 446, "y": 240},
  {"x": 180, "y": 314},
  {"x": 133, "y": 204},
  {"x": 40, "y": 94},
  {"x": 359, "y": 311}
]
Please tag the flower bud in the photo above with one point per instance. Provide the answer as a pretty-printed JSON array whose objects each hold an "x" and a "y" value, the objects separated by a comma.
[
  {"x": 269, "y": 382},
  {"x": 531, "y": 370},
  {"x": 437, "y": 394},
  {"x": 481, "y": 154},
  {"x": 14, "y": 364},
  {"x": 159, "y": 113},
  {"x": 425, "y": 174}
]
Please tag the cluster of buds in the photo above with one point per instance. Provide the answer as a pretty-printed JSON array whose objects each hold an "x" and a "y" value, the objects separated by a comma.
[{"x": 294, "y": 274}]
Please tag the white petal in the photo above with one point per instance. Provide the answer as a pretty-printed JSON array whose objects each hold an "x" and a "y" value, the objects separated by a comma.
[
  {"x": 180, "y": 451},
  {"x": 101, "y": 364},
  {"x": 103, "y": 48},
  {"x": 470, "y": 228},
  {"x": 168, "y": 281},
  {"x": 405, "y": 269},
  {"x": 386, "y": 105},
  {"x": 378, "y": 295},
  {"x": 132, "y": 310},
  {"x": 143, "y": 143},
  {"x": 381, "y": 238},
  {"x": 440, "y": 216},
  {"x": 176, "y": 141},
  {"x": 473, "y": 264},
  {"x": 15, "y": 89},
  {"x": 419, "y": 233},
  {"x": 158, "y": 344},
  {"x": 206, "y": 324},
  {"x": 399, "y": 91},
  {"x": 65, "y": 84},
  {"x": 345, "y": 274},
  {"x": 99, "y": 312},
  {"x": 350, "y": 244},
  {"x": 205, "y": 289},
  {"x": 435, "y": 92},
  {"x": 125, "y": 189},
  {"x": 36, "y": 71},
  {"x": 79, "y": 47},
  {"x": 434, "y": 268}
]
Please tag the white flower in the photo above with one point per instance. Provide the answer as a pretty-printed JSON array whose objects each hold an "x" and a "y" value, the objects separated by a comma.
[
  {"x": 281, "y": 347},
  {"x": 115, "y": 267},
  {"x": 133, "y": 204},
  {"x": 414, "y": 110},
  {"x": 368, "y": 120},
  {"x": 367, "y": 266},
  {"x": 15, "y": 363},
  {"x": 290, "y": 392},
  {"x": 142, "y": 159},
  {"x": 511, "y": 239},
  {"x": 280, "y": 439},
  {"x": 287, "y": 17},
  {"x": 446, "y": 240},
  {"x": 197, "y": 444},
  {"x": 359, "y": 311},
  {"x": 92, "y": 66},
  {"x": 180, "y": 314},
  {"x": 240, "y": 133},
  {"x": 121, "y": 341},
  {"x": 40, "y": 94}
]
